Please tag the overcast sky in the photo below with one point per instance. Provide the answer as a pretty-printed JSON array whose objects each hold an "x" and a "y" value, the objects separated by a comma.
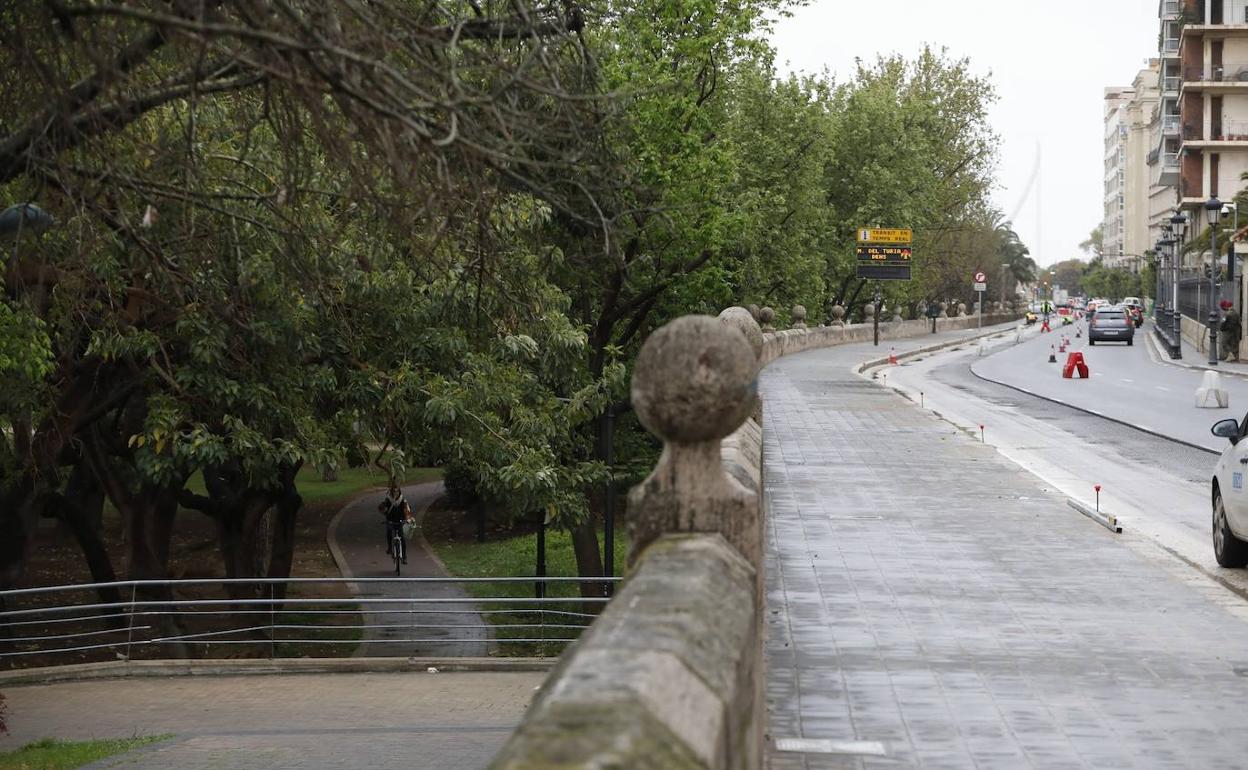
[{"x": 1050, "y": 63}]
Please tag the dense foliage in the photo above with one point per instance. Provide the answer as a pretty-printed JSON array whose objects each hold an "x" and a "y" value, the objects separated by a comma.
[{"x": 420, "y": 232}]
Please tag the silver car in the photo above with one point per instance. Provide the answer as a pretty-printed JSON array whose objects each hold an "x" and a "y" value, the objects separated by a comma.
[{"x": 1111, "y": 323}]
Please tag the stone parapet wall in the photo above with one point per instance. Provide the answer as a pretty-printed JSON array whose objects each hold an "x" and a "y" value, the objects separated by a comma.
[{"x": 666, "y": 678}]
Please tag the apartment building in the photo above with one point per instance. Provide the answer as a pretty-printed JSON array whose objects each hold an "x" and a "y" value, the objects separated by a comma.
[
  {"x": 1212, "y": 43},
  {"x": 1129, "y": 116},
  {"x": 1112, "y": 222}
]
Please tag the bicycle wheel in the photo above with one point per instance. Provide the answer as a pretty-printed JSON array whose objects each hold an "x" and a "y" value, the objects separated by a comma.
[{"x": 397, "y": 545}]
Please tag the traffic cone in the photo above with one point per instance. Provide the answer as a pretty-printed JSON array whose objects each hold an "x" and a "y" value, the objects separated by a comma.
[
  {"x": 1052, "y": 355},
  {"x": 1062, "y": 347},
  {"x": 892, "y": 356},
  {"x": 1078, "y": 333}
]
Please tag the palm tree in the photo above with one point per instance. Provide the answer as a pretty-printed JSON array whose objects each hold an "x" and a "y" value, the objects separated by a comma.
[{"x": 1013, "y": 255}]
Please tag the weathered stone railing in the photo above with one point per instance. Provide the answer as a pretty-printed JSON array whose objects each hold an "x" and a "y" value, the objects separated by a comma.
[{"x": 671, "y": 675}]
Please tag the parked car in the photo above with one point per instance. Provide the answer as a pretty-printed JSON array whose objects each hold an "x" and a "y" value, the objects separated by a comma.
[
  {"x": 1111, "y": 323},
  {"x": 1230, "y": 506}
]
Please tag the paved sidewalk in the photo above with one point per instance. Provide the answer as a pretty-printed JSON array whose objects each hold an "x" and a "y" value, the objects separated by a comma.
[
  {"x": 357, "y": 539},
  {"x": 284, "y": 722},
  {"x": 1195, "y": 359},
  {"x": 932, "y": 601}
]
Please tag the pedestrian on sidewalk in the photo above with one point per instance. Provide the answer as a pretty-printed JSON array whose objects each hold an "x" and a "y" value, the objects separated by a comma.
[{"x": 1230, "y": 332}]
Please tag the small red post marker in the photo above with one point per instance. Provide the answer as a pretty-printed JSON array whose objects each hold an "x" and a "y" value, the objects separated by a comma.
[
  {"x": 981, "y": 434},
  {"x": 1098, "y": 497}
]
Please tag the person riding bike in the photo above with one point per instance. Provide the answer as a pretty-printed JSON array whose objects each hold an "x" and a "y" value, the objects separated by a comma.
[{"x": 396, "y": 510}]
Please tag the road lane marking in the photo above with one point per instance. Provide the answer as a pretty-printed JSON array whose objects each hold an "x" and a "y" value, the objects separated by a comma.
[{"x": 1158, "y": 387}]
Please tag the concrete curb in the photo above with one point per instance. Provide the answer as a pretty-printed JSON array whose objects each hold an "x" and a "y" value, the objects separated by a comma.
[
  {"x": 1163, "y": 357},
  {"x": 1100, "y": 517},
  {"x": 78, "y": 672},
  {"x": 877, "y": 362},
  {"x": 1094, "y": 413}
]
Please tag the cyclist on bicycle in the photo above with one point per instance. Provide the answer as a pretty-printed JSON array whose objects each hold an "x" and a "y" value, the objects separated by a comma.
[{"x": 396, "y": 510}]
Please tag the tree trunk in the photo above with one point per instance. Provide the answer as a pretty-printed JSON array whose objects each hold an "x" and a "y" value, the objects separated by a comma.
[{"x": 82, "y": 510}]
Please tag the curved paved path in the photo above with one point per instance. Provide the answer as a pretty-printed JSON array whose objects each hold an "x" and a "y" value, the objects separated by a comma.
[{"x": 357, "y": 540}]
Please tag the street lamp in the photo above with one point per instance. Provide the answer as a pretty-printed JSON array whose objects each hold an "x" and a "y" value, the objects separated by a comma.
[
  {"x": 1178, "y": 223},
  {"x": 1213, "y": 210}
]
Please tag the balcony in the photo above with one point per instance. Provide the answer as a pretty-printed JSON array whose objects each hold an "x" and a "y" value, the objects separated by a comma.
[
  {"x": 1226, "y": 78},
  {"x": 1170, "y": 46},
  {"x": 1171, "y": 84},
  {"x": 1170, "y": 9},
  {"x": 1170, "y": 124},
  {"x": 1226, "y": 132}
]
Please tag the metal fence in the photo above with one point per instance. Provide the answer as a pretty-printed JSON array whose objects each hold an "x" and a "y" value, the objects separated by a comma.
[
  {"x": 295, "y": 617},
  {"x": 1194, "y": 295}
]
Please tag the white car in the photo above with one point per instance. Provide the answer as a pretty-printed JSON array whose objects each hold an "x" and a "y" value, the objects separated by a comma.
[{"x": 1230, "y": 500}]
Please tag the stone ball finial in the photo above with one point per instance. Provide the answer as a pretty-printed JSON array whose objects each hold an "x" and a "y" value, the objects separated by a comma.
[
  {"x": 798, "y": 314},
  {"x": 741, "y": 319},
  {"x": 868, "y": 310},
  {"x": 767, "y": 318},
  {"x": 694, "y": 380},
  {"x": 838, "y": 315},
  {"x": 755, "y": 311}
]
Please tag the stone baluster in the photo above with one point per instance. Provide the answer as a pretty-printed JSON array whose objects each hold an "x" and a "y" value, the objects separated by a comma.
[
  {"x": 695, "y": 383},
  {"x": 798, "y": 313},
  {"x": 767, "y": 319},
  {"x": 838, "y": 316}
]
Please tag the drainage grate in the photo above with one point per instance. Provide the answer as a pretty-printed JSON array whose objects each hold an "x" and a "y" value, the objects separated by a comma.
[{"x": 825, "y": 746}]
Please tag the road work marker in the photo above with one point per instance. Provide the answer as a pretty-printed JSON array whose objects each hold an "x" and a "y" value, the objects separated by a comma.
[
  {"x": 1052, "y": 355},
  {"x": 1104, "y": 519},
  {"x": 1211, "y": 394},
  {"x": 1075, "y": 361},
  {"x": 981, "y": 434},
  {"x": 1097, "y": 487},
  {"x": 892, "y": 356},
  {"x": 920, "y": 399}
]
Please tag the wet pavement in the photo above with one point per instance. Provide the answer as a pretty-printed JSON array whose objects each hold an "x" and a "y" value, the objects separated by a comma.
[
  {"x": 412, "y": 625},
  {"x": 930, "y": 604}
]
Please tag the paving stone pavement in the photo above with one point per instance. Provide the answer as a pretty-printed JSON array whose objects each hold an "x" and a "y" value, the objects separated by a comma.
[
  {"x": 283, "y": 722},
  {"x": 926, "y": 594}
]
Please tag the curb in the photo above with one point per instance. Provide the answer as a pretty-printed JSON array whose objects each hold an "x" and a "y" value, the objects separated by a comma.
[
  {"x": 80, "y": 672},
  {"x": 876, "y": 362},
  {"x": 1104, "y": 519},
  {"x": 1095, "y": 413},
  {"x": 1163, "y": 357}
]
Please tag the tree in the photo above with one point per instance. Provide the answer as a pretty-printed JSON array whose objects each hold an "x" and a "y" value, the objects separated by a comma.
[{"x": 1094, "y": 246}]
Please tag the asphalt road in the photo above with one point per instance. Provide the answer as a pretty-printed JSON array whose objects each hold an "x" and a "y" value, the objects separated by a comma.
[
  {"x": 1127, "y": 383},
  {"x": 1159, "y": 489}
]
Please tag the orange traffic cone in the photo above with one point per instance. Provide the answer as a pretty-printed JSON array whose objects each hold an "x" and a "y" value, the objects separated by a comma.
[
  {"x": 892, "y": 356},
  {"x": 1052, "y": 355}
]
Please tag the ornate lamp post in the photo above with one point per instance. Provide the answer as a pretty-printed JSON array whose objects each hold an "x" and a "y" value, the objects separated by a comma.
[
  {"x": 1178, "y": 223},
  {"x": 1213, "y": 210}
]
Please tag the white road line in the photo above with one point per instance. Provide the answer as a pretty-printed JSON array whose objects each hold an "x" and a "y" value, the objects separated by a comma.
[
  {"x": 1158, "y": 387},
  {"x": 1124, "y": 379}
]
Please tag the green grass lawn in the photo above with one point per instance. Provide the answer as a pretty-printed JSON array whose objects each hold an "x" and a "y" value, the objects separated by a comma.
[
  {"x": 51, "y": 754},
  {"x": 516, "y": 556}
]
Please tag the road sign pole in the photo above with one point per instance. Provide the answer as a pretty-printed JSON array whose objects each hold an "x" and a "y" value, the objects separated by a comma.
[
  {"x": 981, "y": 310},
  {"x": 877, "y": 314}
]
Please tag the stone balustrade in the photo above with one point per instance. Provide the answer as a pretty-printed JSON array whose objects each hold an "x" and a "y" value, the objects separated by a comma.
[{"x": 671, "y": 674}]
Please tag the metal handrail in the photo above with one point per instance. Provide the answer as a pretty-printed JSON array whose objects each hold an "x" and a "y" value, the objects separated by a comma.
[{"x": 156, "y": 626}]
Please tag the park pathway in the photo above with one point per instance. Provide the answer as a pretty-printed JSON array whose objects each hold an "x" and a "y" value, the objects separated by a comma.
[
  {"x": 357, "y": 538},
  {"x": 930, "y": 604}
]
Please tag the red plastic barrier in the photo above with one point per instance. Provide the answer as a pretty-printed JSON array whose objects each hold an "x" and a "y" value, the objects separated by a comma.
[{"x": 1075, "y": 362}]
